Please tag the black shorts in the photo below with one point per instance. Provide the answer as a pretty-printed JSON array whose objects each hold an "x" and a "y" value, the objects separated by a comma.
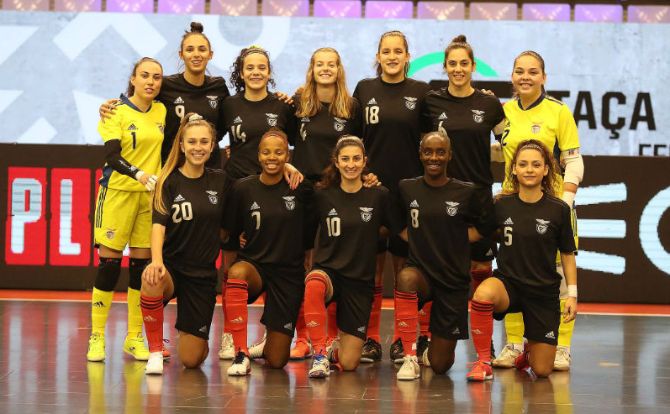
[
  {"x": 284, "y": 289},
  {"x": 354, "y": 303},
  {"x": 486, "y": 249},
  {"x": 196, "y": 299},
  {"x": 394, "y": 245},
  {"x": 449, "y": 314},
  {"x": 541, "y": 314}
]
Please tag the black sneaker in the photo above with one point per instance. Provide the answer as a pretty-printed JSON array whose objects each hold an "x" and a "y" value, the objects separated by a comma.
[
  {"x": 372, "y": 351},
  {"x": 397, "y": 352},
  {"x": 422, "y": 345}
]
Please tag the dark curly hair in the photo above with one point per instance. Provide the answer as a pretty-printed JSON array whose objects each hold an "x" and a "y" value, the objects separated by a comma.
[{"x": 236, "y": 70}]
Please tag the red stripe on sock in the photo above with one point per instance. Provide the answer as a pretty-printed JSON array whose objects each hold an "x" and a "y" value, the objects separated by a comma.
[
  {"x": 152, "y": 314},
  {"x": 481, "y": 327},
  {"x": 406, "y": 318}
]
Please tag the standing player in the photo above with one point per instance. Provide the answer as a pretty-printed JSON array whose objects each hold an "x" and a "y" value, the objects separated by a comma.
[
  {"x": 468, "y": 116},
  {"x": 350, "y": 217},
  {"x": 132, "y": 139},
  {"x": 325, "y": 112},
  {"x": 536, "y": 115},
  {"x": 187, "y": 211},
  {"x": 273, "y": 218},
  {"x": 392, "y": 109},
  {"x": 533, "y": 225},
  {"x": 439, "y": 211},
  {"x": 190, "y": 91}
]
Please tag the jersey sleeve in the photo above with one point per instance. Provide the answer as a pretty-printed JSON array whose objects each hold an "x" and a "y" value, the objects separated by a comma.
[
  {"x": 392, "y": 218},
  {"x": 425, "y": 121},
  {"x": 291, "y": 128},
  {"x": 167, "y": 194},
  {"x": 231, "y": 221},
  {"x": 481, "y": 214},
  {"x": 568, "y": 138},
  {"x": 112, "y": 128},
  {"x": 566, "y": 242},
  {"x": 356, "y": 119}
]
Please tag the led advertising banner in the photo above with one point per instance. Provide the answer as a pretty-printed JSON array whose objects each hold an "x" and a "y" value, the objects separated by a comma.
[
  {"x": 56, "y": 68},
  {"x": 48, "y": 196}
]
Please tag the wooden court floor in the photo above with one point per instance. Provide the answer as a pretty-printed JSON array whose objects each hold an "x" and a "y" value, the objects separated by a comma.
[{"x": 621, "y": 364}]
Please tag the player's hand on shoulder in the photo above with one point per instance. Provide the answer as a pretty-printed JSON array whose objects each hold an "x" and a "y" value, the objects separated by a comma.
[
  {"x": 292, "y": 176},
  {"x": 108, "y": 108},
  {"x": 371, "y": 180},
  {"x": 284, "y": 97}
]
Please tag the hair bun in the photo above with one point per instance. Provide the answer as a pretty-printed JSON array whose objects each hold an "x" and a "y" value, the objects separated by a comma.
[
  {"x": 459, "y": 39},
  {"x": 196, "y": 27}
]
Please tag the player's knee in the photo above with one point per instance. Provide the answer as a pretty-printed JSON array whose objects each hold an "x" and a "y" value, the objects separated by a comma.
[
  {"x": 109, "y": 270},
  {"x": 192, "y": 359},
  {"x": 276, "y": 361},
  {"x": 349, "y": 364},
  {"x": 542, "y": 368},
  {"x": 441, "y": 365},
  {"x": 238, "y": 272},
  {"x": 484, "y": 294},
  {"x": 406, "y": 281}
]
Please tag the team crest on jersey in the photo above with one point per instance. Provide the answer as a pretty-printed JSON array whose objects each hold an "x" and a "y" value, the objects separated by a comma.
[
  {"x": 478, "y": 116},
  {"x": 339, "y": 124},
  {"x": 452, "y": 207},
  {"x": 289, "y": 201},
  {"x": 272, "y": 119},
  {"x": 213, "y": 101},
  {"x": 110, "y": 233},
  {"x": 541, "y": 226},
  {"x": 536, "y": 128},
  {"x": 366, "y": 213},
  {"x": 213, "y": 196},
  {"x": 410, "y": 102},
  {"x": 161, "y": 127}
]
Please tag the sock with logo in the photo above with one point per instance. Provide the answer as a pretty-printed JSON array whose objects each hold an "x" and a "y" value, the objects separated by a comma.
[
  {"x": 375, "y": 314},
  {"x": 424, "y": 319},
  {"x": 406, "y": 318},
  {"x": 152, "y": 313},
  {"x": 315, "y": 311},
  {"x": 237, "y": 294},
  {"x": 481, "y": 327}
]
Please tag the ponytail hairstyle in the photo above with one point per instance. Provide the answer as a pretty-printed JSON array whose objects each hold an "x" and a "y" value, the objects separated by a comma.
[
  {"x": 176, "y": 157},
  {"x": 548, "y": 182},
  {"x": 458, "y": 42},
  {"x": 130, "y": 90},
  {"x": 331, "y": 175},
  {"x": 309, "y": 104},
  {"x": 537, "y": 57},
  {"x": 397, "y": 33},
  {"x": 238, "y": 66}
]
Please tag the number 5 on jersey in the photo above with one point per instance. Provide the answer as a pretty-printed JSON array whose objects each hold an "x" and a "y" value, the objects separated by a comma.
[{"x": 507, "y": 234}]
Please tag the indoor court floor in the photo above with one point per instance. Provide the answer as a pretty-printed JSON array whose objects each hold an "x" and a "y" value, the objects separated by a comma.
[{"x": 621, "y": 364}]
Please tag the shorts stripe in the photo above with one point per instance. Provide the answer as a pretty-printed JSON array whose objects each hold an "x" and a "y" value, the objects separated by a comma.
[{"x": 101, "y": 200}]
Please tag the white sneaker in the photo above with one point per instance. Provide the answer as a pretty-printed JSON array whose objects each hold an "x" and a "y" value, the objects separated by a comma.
[
  {"x": 562, "y": 359},
  {"x": 241, "y": 365},
  {"x": 320, "y": 367},
  {"x": 507, "y": 357},
  {"x": 256, "y": 350},
  {"x": 154, "y": 364},
  {"x": 410, "y": 368},
  {"x": 227, "y": 350}
]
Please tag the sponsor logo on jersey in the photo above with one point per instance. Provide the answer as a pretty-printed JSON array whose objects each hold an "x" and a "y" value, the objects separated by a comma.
[
  {"x": 410, "y": 102},
  {"x": 255, "y": 206},
  {"x": 132, "y": 127},
  {"x": 550, "y": 335},
  {"x": 179, "y": 198},
  {"x": 372, "y": 101},
  {"x": 110, "y": 233},
  {"x": 237, "y": 120},
  {"x": 536, "y": 128},
  {"x": 179, "y": 101},
  {"x": 203, "y": 329},
  {"x": 312, "y": 324},
  {"x": 289, "y": 201},
  {"x": 288, "y": 326},
  {"x": 272, "y": 119},
  {"x": 508, "y": 222},
  {"x": 332, "y": 212},
  {"x": 305, "y": 119},
  {"x": 339, "y": 124},
  {"x": 414, "y": 204},
  {"x": 362, "y": 329},
  {"x": 213, "y": 101},
  {"x": 452, "y": 207},
  {"x": 456, "y": 331},
  {"x": 366, "y": 213},
  {"x": 478, "y": 116},
  {"x": 442, "y": 117},
  {"x": 213, "y": 196},
  {"x": 542, "y": 225}
]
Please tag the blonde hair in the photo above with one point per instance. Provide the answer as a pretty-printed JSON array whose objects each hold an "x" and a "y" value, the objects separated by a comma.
[
  {"x": 176, "y": 158},
  {"x": 310, "y": 105}
]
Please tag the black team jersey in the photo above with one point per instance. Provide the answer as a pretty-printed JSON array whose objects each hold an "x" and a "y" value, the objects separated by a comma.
[
  {"x": 195, "y": 209},
  {"x": 246, "y": 122},
  {"x": 530, "y": 234},
  {"x": 180, "y": 98},
  {"x": 348, "y": 229},
  {"x": 317, "y": 135},
  {"x": 392, "y": 127},
  {"x": 437, "y": 221},
  {"x": 468, "y": 122},
  {"x": 273, "y": 218}
]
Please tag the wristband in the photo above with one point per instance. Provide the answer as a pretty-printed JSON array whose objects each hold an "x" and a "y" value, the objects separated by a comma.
[
  {"x": 569, "y": 198},
  {"x": 572, "y": 291},
  {"x": 139, "y": 174}
]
